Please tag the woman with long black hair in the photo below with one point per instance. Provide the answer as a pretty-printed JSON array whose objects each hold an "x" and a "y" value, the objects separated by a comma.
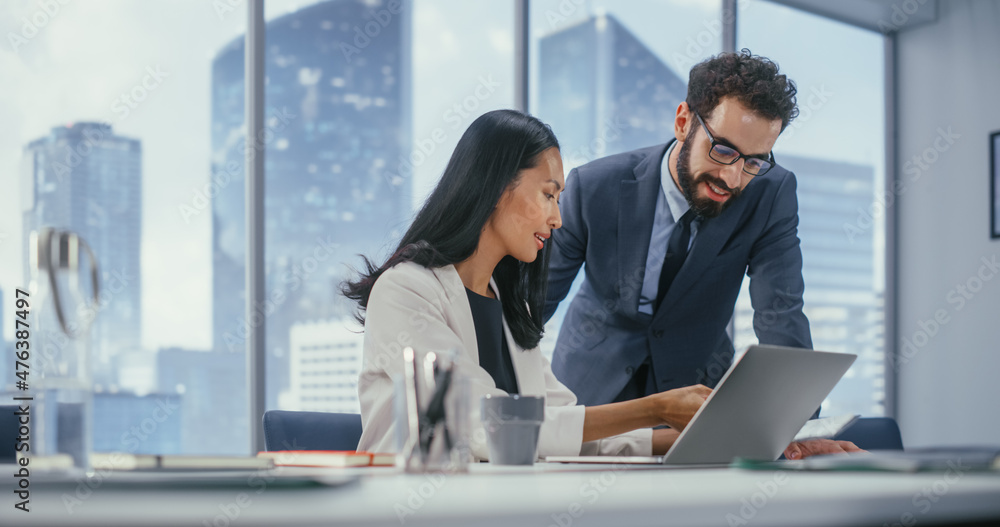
[{"x": 470, "y": 274}]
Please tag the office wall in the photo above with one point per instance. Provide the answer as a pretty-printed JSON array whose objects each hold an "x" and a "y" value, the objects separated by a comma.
[{"x": 949, "y": 298}]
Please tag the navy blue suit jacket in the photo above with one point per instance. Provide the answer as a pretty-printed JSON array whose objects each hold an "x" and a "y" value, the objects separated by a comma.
[{"x": 607, "y": 211}]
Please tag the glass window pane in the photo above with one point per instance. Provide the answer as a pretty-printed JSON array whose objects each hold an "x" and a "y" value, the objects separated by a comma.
[
  {"x": 836, "y": 149},
  {"x": 107, "y": 114},
  {"x": 352, "y": 159},
  {"x": 608, "y": 76}
]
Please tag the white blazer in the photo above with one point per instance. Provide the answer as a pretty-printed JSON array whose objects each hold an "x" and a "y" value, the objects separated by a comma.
[{"x": 427, "y": 309}]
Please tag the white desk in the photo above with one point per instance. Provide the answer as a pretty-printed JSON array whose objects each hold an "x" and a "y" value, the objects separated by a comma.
[{"x": 541, "y": 497}]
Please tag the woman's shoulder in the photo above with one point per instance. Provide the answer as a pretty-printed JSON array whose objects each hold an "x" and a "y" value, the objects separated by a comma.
[{"x": 410, "y": 275}]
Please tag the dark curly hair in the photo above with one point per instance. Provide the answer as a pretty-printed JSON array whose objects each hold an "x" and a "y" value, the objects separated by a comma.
[{"x": 751, "y": 79}]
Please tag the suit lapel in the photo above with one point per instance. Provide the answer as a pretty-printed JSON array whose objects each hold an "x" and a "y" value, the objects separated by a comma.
[{"x": 636, "y": 210}]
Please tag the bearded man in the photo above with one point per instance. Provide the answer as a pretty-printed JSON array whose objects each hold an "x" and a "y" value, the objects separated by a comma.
[{"x": 667, "y": 234}]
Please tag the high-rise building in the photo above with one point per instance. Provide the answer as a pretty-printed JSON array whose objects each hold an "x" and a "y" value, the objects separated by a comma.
[
  {"x": 325, "y": 363},
  {"x": 212, "y": 387},
  {"x": 843, "y": 299},
  {"x": 84, "y": 178},
  {"x": 337, "y": 119},
  {"x": 137, "y": 424},
  {"x": 603, "y": 91},
  {"x": 2, "y": 322},
  {"x": 3, "y": 346}
]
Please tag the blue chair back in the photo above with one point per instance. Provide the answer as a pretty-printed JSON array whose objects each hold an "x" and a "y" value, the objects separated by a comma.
[
  {"x": 8, "y": 434},
  {"x": 874, "y": 433},
  {"x": 286, "y": 430}
]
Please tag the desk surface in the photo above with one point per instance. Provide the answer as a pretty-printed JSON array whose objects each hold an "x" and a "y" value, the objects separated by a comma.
[{"x": 540, "y": 496}]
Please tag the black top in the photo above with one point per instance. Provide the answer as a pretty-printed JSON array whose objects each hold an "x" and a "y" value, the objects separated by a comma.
[{"x": 494, "y": 355}]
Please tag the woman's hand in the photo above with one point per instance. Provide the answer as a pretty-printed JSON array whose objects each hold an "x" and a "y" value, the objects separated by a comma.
[
  {"x": 676, "y": 407},
  {"x": 815, "y": 447},
  {"x": 673, "y": 408}
]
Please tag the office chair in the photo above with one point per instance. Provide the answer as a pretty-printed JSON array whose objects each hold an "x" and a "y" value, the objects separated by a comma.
[
  {"x": 8, "y": 434},
  {"x": 285, "y": 430},
  {"x": 874, "y": 433}
]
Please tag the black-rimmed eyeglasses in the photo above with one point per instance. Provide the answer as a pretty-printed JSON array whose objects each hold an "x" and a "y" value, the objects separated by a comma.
[{"x": 726, "y": 155}]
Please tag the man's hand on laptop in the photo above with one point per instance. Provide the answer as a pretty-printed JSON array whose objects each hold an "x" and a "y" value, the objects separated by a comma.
[
  {"x": 676, "y": 407},
  {"x": 816, "y": 447}
]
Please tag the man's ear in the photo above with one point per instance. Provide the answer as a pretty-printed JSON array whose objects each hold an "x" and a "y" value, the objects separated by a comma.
[{"x": 683, "y": 121}]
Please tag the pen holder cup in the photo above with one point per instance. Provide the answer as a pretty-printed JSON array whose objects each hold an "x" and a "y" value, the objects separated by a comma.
[{"x": 431, "y": 407}]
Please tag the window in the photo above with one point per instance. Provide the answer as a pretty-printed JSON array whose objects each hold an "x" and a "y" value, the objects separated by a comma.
[
  {"x": 349, "y": 158},
  {"x": 836, "y": 150},
  {"x": 608, "y": 76},
  {"x": 108, "y": 126}
]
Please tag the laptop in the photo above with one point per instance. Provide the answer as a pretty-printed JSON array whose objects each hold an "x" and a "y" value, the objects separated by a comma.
[{"x": 754, "y": 412}]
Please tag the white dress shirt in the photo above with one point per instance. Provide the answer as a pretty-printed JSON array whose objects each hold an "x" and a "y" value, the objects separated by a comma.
[{"x": 670, "y": 206}]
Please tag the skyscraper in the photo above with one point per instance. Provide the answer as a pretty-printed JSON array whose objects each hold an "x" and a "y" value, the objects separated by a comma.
[
  {"x": 325, "y": 363},
  {"x": 3, "y": 346},
  {"x": 212, "y": 391},
  {"x": 603, "y": 91},
  {"x": 843, "y": 300},
  {"x": 337, "y": 115},
  {"x": 84, "y": 178}
]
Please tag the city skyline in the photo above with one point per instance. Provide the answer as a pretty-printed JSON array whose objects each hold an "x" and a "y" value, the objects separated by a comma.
[
  {"x": 86, "y": 179},
  {"x": 174, "y": 120},
  {"x": 174, "y": 253},
  {"x": 338, "y": 120}
]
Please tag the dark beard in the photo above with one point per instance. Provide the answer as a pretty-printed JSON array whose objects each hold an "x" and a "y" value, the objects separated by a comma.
[{"x": 703, "y": 207}]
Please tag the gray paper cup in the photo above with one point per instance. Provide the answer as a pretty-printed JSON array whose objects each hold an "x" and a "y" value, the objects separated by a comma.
[{"x": 512, "y": 424}]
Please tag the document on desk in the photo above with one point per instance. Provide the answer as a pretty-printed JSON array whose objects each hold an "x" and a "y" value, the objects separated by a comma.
[
  {"x": 250, "y": 479},
  {"x": 124, "y": 461},
  {"x": 976, "y": 459}
]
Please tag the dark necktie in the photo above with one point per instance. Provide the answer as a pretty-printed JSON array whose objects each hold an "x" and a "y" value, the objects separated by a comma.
[{"x": 677, "y": 249}]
